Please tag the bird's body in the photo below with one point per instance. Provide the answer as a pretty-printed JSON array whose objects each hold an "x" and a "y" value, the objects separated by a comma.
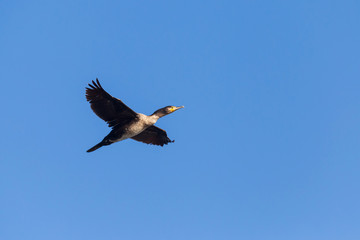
[
  {"x": 133, "y": 128},
  {"x": 125, "y": 123}
]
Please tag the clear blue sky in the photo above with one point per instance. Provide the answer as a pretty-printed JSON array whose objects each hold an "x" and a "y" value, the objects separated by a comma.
[{"x": 267, "y": 146}]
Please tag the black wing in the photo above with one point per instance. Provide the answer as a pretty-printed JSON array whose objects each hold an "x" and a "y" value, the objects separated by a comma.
[
  {"x": 153, "y": 135},
  {"x": 108, "y": 108}
]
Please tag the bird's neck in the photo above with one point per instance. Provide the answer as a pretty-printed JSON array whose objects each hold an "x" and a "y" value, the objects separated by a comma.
[
  {"x": 157, "y": 115},
  {"x": 154, "y": 118}
]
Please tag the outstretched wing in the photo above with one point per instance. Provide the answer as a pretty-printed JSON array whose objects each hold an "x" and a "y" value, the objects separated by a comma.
[
  {"x": 108, "y": 108},
  {"x": 153, "y": 135}
]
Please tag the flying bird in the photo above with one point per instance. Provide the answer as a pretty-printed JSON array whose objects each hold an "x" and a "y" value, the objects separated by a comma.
[{"x": 126, "y": 123}]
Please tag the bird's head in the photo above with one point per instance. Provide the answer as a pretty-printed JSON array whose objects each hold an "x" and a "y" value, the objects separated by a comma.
[{"x": 166, "y": 110}]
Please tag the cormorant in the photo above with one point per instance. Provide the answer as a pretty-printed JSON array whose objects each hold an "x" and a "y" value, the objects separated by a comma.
[{"x": 125, "y": 123}]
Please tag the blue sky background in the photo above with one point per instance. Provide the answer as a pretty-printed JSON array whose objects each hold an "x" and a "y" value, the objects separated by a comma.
[{"x": 267, "y": 146}]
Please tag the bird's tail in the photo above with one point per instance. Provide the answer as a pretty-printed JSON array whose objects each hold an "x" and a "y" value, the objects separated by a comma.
[{"x": 99, "y": 145}]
